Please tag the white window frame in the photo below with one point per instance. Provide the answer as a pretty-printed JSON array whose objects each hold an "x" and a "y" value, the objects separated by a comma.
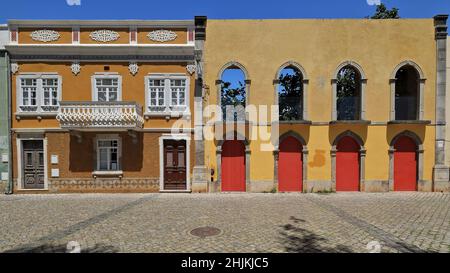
[
  {"x": 113, "y": 75},
  {"x": 169, "y": 109},
  {"x": 39, "y": 93},
  {"x": 115, "y": 137}
]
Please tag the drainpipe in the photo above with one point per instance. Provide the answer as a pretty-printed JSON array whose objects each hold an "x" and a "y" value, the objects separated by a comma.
[{"x": 9, "y": 188}]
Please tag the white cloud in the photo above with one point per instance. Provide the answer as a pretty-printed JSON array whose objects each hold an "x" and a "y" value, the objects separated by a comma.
[
  {"x": 78, "y": 2},
  {"x": 373, "y": 2}
]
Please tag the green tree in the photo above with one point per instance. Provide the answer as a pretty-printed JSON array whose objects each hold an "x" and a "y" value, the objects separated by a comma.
[
  {"x": 232, "y": 96},
  {"x": 347, "y": 94},
  {"x": 290, "y": 96},
  {"x": 383, "y": 12}
]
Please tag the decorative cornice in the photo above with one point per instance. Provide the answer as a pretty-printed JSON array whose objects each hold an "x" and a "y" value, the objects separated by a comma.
[
  {"x": 104, "y": 35},
  {"x": 105, "y": 57},
  {"x": 162, "y": 35},
  {"x": 45, "y": 35},
  {"x": 440, "y": 25}
]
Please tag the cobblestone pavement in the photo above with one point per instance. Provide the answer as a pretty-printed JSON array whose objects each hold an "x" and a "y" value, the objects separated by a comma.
[{"x": 342, "y": 222}]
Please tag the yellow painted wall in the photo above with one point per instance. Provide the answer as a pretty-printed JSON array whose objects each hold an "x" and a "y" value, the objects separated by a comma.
[
  {"x": 262, "y": 46},
  {"x": 78, "y": 88}
]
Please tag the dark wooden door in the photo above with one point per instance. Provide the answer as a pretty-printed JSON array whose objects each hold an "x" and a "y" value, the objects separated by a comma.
[
  {"x": 33, "y": 164},
  {"x": 175, "y": 165}
]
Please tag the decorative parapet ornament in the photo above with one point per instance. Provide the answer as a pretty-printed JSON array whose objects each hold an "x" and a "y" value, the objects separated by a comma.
[
  {"x": 14, "y": 68},
  {"x": 104, "y": 35},
  {"x": 76, "y": 68},
  {"x": 133, "y": 67},
  {"x": 45, "y": 35},
  {"x": 191, "y": 68},
  {"x": 162, "y": 35}
]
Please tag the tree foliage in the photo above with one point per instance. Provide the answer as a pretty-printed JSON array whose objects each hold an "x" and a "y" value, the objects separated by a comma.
[
  {"x": 383, "y": 12},
  {"x": 290, "y": 96},
  {"x": 232, "y": 96},
  {"x": 347, "y": 93}
]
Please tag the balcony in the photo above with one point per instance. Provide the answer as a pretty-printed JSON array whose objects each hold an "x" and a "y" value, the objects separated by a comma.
[{"x": 100, "y": 115}]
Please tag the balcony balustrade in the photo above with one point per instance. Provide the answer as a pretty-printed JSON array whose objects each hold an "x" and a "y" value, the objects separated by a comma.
[{"x": 100, "y": 115}]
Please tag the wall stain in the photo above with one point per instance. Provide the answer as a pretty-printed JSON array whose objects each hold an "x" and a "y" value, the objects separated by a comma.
[{"x": 318, "y": 159}]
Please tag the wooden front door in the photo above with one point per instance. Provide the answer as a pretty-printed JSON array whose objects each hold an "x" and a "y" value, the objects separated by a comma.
[
  {"x": 290, "y": 165},
  {"x": 175, "y": 165},
  {"x": 347, "y": 165},
  {"x": 33, "y": 164},
  {"x": 405, "y": 165},
  {"x": 233, "y": 166}
]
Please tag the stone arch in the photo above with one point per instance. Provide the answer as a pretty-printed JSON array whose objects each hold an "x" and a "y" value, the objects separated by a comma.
[
  {"x": 362, "y": 74},
  {"x": 420, "y": 152},
  {"x": 232, "y": 64},
  {"x": 230, "y": 136},
  {"x": 276, "y": 151},
  {"x": 421, "y": 89},
  {"x": 362, "y": 158},
  {"x": 305, "y": 82}
]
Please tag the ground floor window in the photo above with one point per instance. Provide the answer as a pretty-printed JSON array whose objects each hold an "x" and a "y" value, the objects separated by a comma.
[{"x": 108, "y": 154}]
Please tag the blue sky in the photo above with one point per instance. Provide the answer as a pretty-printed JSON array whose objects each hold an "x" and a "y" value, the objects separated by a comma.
[{"x": 186, "y": 9}]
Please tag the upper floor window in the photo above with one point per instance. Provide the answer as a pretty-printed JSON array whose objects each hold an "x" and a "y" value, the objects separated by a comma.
[
  {"x": 167, "y": 93},
  {"x": 290, "y": 94},
  {"x": 348, "y": 94},
  {"x": 233, "y": 97},
  {"x": 407, "y": 93},
  {"x": 38, "y": 93},
  {"x": 107, "y": 87}
]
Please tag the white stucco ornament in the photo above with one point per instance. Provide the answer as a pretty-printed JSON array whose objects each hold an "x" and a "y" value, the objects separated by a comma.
[
  {"x": 45, "y": 35},
  {"x": 76, "y": 68},
  {"x": 14, "y": 68},
  {"x": 133, "y": 67},
  {"x": 162, "y": 35},
  {"x": 191, "y": 68},
  {"x": 104, "y": 35}
]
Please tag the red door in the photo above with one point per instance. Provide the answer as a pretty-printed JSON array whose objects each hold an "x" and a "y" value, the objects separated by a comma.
[
  {"x": 233, "y": 166},
  {"x": 405, "y": 165},
  {"x": 290, "y": 165},
  {"x": 347, "y": 165}
]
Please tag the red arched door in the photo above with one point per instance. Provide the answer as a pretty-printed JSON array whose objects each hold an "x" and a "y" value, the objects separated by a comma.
[
  {"x": 347, "y": 165},
  {"x": 233, "y": 166},
  {"x": 405, "y": 164},
  {"x": 290, "y": 165}
]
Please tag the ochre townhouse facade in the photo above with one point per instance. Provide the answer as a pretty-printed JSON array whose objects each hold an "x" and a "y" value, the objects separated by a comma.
[
  {"x": 125, "y": 106},
  {"x": 94, "y": 104}
]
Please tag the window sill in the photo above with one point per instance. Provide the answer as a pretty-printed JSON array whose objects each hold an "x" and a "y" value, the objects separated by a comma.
[
  {"x": 167, "y": 115},
  {"x": 306, "y": 122},
  {"x": 416, "y": 122},
  {"x": 107, "y": 174},
  {"x": 356, "y": 122},
  {"x": 37, "y": 115}
]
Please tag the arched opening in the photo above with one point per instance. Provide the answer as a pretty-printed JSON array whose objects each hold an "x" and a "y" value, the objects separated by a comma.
[
  {"x": 233, "y": 93},
  {"x": 290, "y": 165},
  {"x": 233, "y": 169},
  {"x": 405, "y": 164},
  {"x": 348, "y": 94},
  {"x": 407, "y": 84},
  {"x": 290, "y": 94},
  {"x": 347, "y": 164}
]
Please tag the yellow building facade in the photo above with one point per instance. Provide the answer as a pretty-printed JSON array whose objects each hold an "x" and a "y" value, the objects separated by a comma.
[{"x": 377, "y": 49}]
